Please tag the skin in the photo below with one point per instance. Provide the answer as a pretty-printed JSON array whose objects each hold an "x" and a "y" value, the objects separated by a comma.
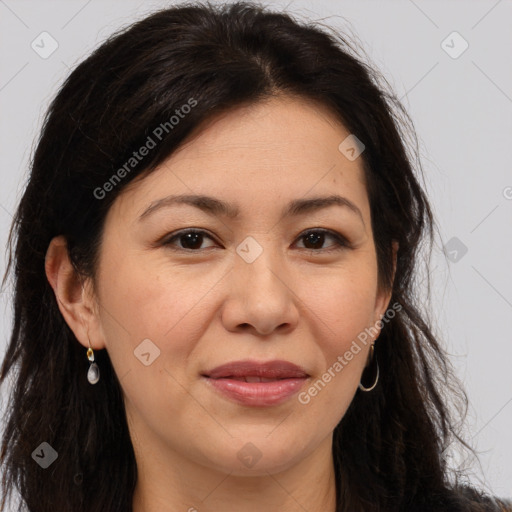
[{"x": 208, "y": 307}]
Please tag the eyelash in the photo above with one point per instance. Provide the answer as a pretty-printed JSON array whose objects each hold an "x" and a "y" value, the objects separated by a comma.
[{"x": 341, "y": 242}]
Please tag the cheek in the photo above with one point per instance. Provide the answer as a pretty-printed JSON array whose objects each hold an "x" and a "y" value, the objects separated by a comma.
[
  {"x": 151, "y": 302},
  {"x": 151, "y": 323},
  {"x": 345, "y": 341},
  {"x": 342, "y": 309},
  {"x": 146, "y": 303},
  {"x": 343, "y": 303}
]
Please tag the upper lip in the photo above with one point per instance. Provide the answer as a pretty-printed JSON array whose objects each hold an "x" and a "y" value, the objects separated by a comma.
[{"x": 276, "y": 369}]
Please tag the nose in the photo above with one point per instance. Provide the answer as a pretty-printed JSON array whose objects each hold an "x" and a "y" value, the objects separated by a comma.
[{"x": 261, "y": 299}]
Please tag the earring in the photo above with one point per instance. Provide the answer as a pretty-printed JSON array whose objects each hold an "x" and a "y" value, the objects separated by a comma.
[
  {"x": 372, "y": 358},
  {"x": 93, "y": 374}
]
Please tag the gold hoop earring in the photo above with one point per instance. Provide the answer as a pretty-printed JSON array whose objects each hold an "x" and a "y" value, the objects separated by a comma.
[
  {"x": 373, "y": 358},
  {"x": 93, "y": 374}
]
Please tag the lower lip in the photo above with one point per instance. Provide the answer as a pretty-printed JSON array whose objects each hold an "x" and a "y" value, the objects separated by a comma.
[{"x": 258, "y": 394}]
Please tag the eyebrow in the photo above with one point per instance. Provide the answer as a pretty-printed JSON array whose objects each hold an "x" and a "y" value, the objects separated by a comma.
[{"x": 216, "y": 207}]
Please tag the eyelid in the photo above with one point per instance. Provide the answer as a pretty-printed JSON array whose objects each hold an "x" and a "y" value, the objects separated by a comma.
[
  {"x": 170, "y": 237},
  {"x": 341, "y": 241}
]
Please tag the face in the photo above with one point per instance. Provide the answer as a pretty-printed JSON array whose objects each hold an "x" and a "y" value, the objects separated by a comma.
[{"x": 264, "y": 274}]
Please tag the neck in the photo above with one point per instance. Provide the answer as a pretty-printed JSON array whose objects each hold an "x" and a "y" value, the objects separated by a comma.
[{"x": 184, "y": 485}]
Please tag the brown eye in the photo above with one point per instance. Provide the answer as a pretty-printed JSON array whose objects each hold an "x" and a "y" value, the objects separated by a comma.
[
  {"x": 191, "y": 240},
  {"x": 315, "y": 239}
]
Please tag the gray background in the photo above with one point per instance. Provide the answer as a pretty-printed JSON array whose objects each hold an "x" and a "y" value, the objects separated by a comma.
[{"x": 462, "y": 110}]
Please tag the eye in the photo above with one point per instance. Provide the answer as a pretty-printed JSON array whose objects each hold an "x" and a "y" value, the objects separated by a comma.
[
  {"x": 315, "y": 238},
  {"x": 190, "y": 239}
]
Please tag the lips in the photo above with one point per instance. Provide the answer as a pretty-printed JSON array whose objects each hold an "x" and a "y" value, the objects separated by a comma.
[
  {"x": 257, "y": 383},
  {"x": 271, "y": 370},
  {"x": 250, "y": 378}
]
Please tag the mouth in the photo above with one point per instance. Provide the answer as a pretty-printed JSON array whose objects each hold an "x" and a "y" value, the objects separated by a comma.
[
  {"x": 257, "y": 383},
  {"x": 253, "y": 378}
]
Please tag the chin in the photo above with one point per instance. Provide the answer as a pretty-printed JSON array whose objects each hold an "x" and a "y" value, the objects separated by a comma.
[{"x": 259, "y": 455}]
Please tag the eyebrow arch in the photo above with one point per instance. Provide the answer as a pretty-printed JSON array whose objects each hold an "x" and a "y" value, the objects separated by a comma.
[
  {"x": 302, "y": 206},
  {"x": 216, "y": 207}
]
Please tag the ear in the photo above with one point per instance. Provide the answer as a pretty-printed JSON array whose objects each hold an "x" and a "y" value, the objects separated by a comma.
[
  {"x": 384, "y": 296},
  {"x": 74, "y": 296}
]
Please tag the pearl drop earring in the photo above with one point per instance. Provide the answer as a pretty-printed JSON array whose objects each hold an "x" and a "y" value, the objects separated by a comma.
[{"x": 93, "y": 374}]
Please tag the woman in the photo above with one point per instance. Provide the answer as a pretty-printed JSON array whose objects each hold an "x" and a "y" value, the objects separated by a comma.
[{"x": 214, "y": 304}]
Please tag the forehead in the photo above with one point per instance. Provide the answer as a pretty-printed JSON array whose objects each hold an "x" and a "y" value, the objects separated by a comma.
[
  {"x": 277, "y": 149},
  {"x": 277, "y": 128}
]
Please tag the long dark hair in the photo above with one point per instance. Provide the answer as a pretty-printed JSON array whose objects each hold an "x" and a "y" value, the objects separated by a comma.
[{"x": 389, "y": 449}]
